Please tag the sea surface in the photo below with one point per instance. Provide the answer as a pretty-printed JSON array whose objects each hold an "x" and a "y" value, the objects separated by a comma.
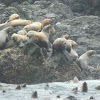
[{"x": 50, "y": 91}]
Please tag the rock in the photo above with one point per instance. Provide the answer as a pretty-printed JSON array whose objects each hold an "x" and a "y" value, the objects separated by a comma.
[
  {"x": 31, "y": 64},
  {"x": 75, "y": 80}
]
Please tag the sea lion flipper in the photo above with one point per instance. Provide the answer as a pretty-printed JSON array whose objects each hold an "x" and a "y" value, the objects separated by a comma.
[{"x": 67, "y": 55}]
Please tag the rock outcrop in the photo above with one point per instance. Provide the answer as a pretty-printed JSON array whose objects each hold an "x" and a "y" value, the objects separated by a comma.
[{"x": 32, "y": 64}]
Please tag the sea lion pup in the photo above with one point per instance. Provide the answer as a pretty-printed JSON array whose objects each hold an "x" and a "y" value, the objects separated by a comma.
[
  {"x": 39, "y": 38},
  {"x": 63, "y": 46},
  {"x": 84, "y": 58},
  {"x": 18, "y": 38},
  {"x": 36, "y": 26},
  {"x": 73, "y": 53},
  {"x": 45, "y": 22},
  {"x": 13, "y": 17},
  {"x": 66, "y": 36},
  {"x": 22, "y": 32},
  {"x": 4, "y": 36},
  {"x": 20, "y": 22}
]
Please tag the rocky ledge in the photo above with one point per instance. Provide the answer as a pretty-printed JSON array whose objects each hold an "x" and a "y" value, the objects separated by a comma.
[{"x": 29, "y": 65}]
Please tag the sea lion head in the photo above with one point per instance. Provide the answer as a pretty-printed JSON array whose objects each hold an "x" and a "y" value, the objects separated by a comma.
[
  {"x": 91, "y": 52},
  {"x": 13, "y": 17}
]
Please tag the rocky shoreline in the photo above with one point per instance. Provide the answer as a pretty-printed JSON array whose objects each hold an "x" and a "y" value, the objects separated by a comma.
[{"x": 26, "y": 65}]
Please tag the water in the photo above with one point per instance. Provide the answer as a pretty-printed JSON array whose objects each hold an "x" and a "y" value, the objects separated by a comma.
[{"x": 64, "y": 89}]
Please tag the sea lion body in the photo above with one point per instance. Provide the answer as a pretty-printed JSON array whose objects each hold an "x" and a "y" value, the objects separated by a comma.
[
  {"x": 20, "y": 22},
  {"x": 63, "y": 46},
  {"x": 49, "y": 31},
  {"x": 18, "y": 37},
  {"x": 36, "y": 26},
  {"x": 39, "y": 38},
  {"x": 4, "y": 36}
]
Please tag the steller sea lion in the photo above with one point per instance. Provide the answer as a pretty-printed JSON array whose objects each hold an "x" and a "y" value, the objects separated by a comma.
[
  {"x": 45, "y": 22},
  {"x": 18, "y": 37},
  {"x": 39, "y": 38},
  {"x": 84, "y": 58},
  {"x": 63, "y": 46},
  {"x": 20, "y": 22},
  {"x": 12, "y": 17},
  {"x": 49, "y": 31},
  {"x": 36, "y": 26},
  {"x": 4, "y": 36}
]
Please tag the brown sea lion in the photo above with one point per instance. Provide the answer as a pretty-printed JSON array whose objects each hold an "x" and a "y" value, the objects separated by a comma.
[
  {"x": 63, "y": 46},
  {"x": 20, "y": 22},
  {"x": 84, "y": 58},
  {"x": 45, "y": 22},
  {"x": 39, "y": 38},
  {"x": 49, "y": 31},
  {"x": 36, "y": 26},
  {"x": 4, "y": 36}
]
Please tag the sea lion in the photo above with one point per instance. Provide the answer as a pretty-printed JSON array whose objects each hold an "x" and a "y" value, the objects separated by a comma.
[
  {"x": 20, "y": 22},
  {"x": 63, "y": 46},
  {"x": 19, "y": 38},
  {"x": 4, "y": 36},
  {"x": 49, "y": 31},
  {"x": 36, "y": 26},
  {"x": 73, "y": 53},
  {"x": 22, "y": 32},
  {"x": 84, "y": 58},
  {"x": 39, "y": 38},
  {"x": 13, "y": 17},
  {"x": 65, "y": 36},
  {"x": 45, "y": 22}
]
